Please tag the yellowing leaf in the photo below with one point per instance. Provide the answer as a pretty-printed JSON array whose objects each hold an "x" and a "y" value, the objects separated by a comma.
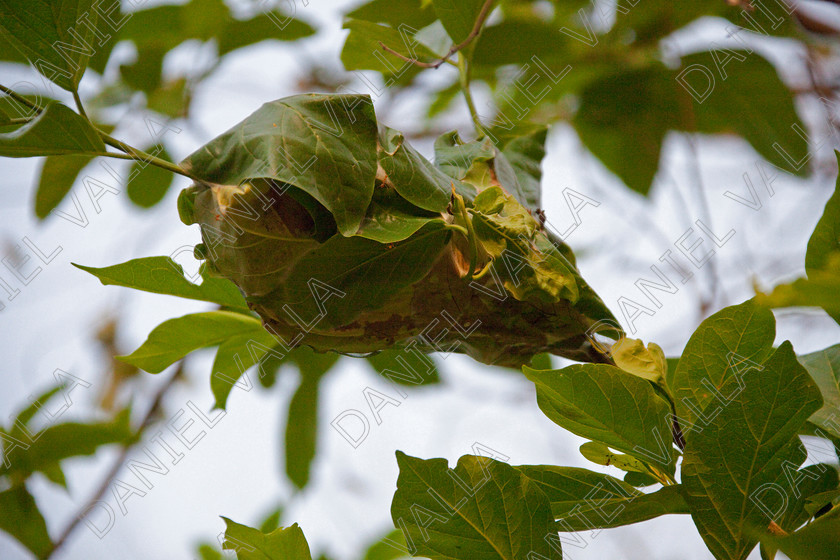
[{"x": 631, "y": 355}]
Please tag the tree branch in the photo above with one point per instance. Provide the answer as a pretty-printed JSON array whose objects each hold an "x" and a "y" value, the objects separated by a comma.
[
  {"x": 118, "y": 464},
  {"x": 479, "y": 22},
  {"x": 140, "y": 155}
]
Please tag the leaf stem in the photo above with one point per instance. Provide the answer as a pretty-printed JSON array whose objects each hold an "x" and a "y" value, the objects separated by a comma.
[
  {"x": 20, "y": 99},
  {"x": 486, "y": 9},
  {"x": 140, "y": 155},
  {"x": 79, "y": 105},
  {"x": 23, "y": 120},
  {"x": 112, "y": 155},
  {"x": 132, "y": 153},
  {"x": 460, "y": 229},
  {"x": 661, "y": 476},
  {"x": 471, "y": 236}
]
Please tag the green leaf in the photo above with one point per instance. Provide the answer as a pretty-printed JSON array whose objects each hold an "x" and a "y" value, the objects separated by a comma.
[
  {"x": 455, "y": 157},
  {"x": 750, "y": 446},
  {"x": 254, "y": 235},
  {"x": 458, "y": 16},
  {"x": 415, "y": 13},
  {"x": 202, "y": 20},
  {"x": 25, "y": 415},
  {"x": 23, "y": 520},
  {"x": 817, "y": 486},
  {"x": 816, "y": 502},
  {"x": 235, "y": 356},
  {"x": 515, "y": 41},
  {"x": 173, "y": 339},
  {"x": 765, "y": 121},
  {"x": 525, "y": 155},
  {"x": 382, "y": 549},
  {"x": 815, "y": 541},
  {"x": 57, "y": 177},
  {"x": 824, "y": 368},
  {"x": 648, "y": 363},
  {"x": 162, "y": 275},
  {"x": 825, "y": 240},
  {"x": 822, "y": 264},
  {"x": 442, "y": 99},
  {"x": 302, "y": 431},
  {"x": 640, "y": 480},
  {"x": 50, "y": 35},
  {"x": 413, "y": 177},
  {"x": 55, "y": 131},
  {"x": 268, "y": 26},
  {"x": 62, "y": 441},
  {"x": 151, "y": 183},
  {"x": 388, "y": 220},
  {"x": 724, "y": 346},
  {"x": 272, "y": 521},
  {"x": 533, "y": 268},
  {"x": 323, "y": 144},
  {"x": 171, "y": 99},
  {"x": 9, "y": 53},
  {"x": 605, "y": 404},
  {"x": 820, "y": 289},
  {"x": 582, "y": 500},
  {"x": 661, "y": 18},
  {"x": 362, "y": 50},
  {"x": 209, "y": 552},
  {"x": 600, "y": 454},
  {"x": 405, "y": 368},
  {"x": 629, "y": 112},
  {"x": 483, "y": 509},
  {"x": 55, "y": 474},
  {"x": 367, "y": 272},
  {"x": 302, "y": 423},
  {"x": 280, "y": 544}
]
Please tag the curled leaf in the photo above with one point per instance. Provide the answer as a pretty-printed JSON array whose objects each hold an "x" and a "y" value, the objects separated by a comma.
[
  {"x": 344, "y": 238},
  {"x": 631, "y": 355}
]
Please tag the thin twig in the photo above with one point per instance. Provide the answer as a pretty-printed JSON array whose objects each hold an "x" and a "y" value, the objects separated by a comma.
[
  {"x": 79, "y": 105},
  {"x": 464, "y": 76},
  {"x": 23, "y": 120},
  {"x": 704, "y": 208},
  {"x": 133, "y": 153},
  {"x": 20, "y": 99},
  {"x": 111, "y": 155},
  {"x": 479, "y": 22},
  {"x": 436, "y": 64},
  {"x": 140, "y": 155},
  {"x": 115, "y": 469}
]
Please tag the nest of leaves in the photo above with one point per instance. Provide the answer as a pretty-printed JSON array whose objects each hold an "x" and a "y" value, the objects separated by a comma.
[{"x": 336, "y": 230}]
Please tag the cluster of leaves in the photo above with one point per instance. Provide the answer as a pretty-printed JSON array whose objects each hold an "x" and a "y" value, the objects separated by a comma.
[
  {"x": 271, "y": 244},
  {"x": 736, "y": 406},
  {"x": 242, "y": 343},
  {"x": 546, "y": 64},
  {"x": 34, "y": 442},
  {"x": 714, "y": 434},
  {"x": 372, "y": 241},
  {"x": 741, "y": 405},
  {"x": 719, "y": 428},
  {"x": 61, "y": 39}
]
